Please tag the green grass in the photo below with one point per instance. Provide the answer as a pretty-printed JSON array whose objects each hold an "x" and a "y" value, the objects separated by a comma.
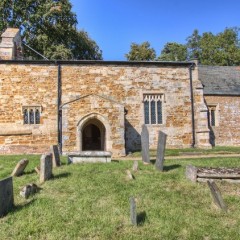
[
  {"x": 187, "y": 151},
  {"x": 91, "y": 201}
]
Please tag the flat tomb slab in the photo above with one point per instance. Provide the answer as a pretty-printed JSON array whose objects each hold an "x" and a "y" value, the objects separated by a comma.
[{"x": 90, "y": 157}]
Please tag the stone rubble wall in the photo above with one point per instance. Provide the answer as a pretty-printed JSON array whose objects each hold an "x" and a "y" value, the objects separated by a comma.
[
  {"x": 27, "y": 85},
  {"x": 126, "y": 85},
  {"x": 115, "y": 93},
  {"x": 226, "y": 131}
]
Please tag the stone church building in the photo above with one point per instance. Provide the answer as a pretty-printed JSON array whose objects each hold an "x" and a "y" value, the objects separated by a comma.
[{"x": 102, "y": 105}]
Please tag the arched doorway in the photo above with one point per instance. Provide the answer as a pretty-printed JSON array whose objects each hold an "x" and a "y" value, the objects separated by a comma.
[{"x": 93, "y": 136}]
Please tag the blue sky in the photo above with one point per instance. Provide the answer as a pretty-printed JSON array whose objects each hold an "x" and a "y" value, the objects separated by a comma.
[{"x": 115, "y": 24}]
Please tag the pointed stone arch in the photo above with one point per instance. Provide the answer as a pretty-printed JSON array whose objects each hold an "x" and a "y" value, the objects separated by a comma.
[{"x": 102, "y": 124}]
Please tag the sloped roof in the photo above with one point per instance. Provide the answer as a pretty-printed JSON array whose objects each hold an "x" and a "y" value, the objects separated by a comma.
[{"x": 220, "y": 80}]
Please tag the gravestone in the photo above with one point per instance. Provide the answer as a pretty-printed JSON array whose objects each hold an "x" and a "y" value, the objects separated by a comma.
[
  {"x": 19, "y": 169},
  {"x": 145, "y": 144},
  {"x": 129, "y": 174},
  {"x": 162, "y": 138},
  {"x": 45, "y": 167},
  {"x": 217, "y": 197},
  {"x": 55, "y": 156},
  {"x": 133, "y": 211},
  {"x": 135, "y": 166},
  {"x": 6, "y": 196},
  {"x": 29, "y": 189},
  {"x": 191, "y": 173}
]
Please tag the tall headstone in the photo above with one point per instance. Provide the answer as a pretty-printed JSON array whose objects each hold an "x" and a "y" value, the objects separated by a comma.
[
  {"x": 45, "y": 167},
  {"x": 19, "y": 169},
  {"x": 133, "y": 211},
  {"x": 6, "y": 196},
  {"x": 145, "y": 144},
  {"x": 55, "y": 156},
  {"x": 162, "y": 139}
]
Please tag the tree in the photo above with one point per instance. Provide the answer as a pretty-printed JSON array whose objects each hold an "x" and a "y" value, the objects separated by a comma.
[
  {"x": 222, "y": 49},
  {"x": 193, "y": 45},
  {"x": 141, "y": 52},
  {"x": 173, "y": 51},
  {"x": 48, "y": 26}
]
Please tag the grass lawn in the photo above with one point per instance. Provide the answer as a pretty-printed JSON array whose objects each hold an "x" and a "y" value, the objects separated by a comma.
[
  {"x": 193, "y": 151},
  {"x": 91, "y": 201}
]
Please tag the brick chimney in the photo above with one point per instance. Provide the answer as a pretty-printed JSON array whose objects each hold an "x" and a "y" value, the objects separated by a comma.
[{"x": 11, "y": 45}]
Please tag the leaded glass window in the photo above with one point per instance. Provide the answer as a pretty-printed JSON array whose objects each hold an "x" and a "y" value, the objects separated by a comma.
[
  {"x": 153, "y": 108},
  {"x": 31, "y": 115}
]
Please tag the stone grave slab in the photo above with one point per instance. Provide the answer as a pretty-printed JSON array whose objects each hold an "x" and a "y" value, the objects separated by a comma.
[
  {"x": 45, "y": 167},
  {"x": 6, "y": 196},
  {"x": 145, "y": 144},
  {"x": 162, "y": 139},
  {"x": 19, "y": 169}
]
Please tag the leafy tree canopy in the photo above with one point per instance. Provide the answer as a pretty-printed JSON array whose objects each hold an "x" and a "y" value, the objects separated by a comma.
[
  {"x": 141, "y": 52},
  {"x": 222, "y": 49},
  {"x": 173, "y": 52},
  {"x": 48, "y": 26}
]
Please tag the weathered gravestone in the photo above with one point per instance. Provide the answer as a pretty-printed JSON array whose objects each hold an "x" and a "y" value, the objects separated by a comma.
[
  {"x": 45, "y": 167},
  {"x": 19, "y": 169},
  {"x": 145, "y": 144},
  {"x": 55, "y": 156},
  {"x": 216, "y": 195},
  {"x": 191, "y": 173},
  {"x": 6, "y": 196},
  {"x": 133, "y": 211},
  {"x": 135, "y": 166},
  {"x": 162, "y": 138},
  {"x": 129, "y": 175}
]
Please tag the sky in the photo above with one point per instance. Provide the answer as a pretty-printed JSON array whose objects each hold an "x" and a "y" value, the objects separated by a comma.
[{"x": 115, "y": 24}]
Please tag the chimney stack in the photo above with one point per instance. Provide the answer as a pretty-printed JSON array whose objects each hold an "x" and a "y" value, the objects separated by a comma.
[{"x": 11, "y": 45}]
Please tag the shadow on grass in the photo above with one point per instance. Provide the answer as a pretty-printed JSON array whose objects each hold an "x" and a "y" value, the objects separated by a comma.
[
  {"x": 29, "y": 172},
  {"x": 19, "y": 207},
  {"x": 141, "y": 218},
  {"x": 171, "y": 167},
  {"x": 62, "y": 175}
]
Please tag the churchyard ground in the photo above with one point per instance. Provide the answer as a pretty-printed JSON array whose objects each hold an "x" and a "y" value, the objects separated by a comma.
[{"x": 91, "y": 201}]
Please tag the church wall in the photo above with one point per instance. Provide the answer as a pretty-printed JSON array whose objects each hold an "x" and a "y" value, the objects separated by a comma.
[
  {"x": 127, "y": 85},
  {"x": 227, "y": 119},
  {"x": 27, "y": 85}
]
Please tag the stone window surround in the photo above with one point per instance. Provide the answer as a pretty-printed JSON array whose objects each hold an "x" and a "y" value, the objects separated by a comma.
[
  {"x": 215, "y": 108},
  {"x": 34, "y": 107},
  {"x": 163, "y": 100}
]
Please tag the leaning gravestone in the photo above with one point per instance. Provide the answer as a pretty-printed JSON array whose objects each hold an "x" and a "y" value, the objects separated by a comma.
[
  {"x": 45, "y": 167},
  {"x": 216, "y": 195},
  {"x": 6, "y": 196},
  {"x": 145, "y": 144},
  {"x": 133, "y": 211},
  {"x": 56, "y": 157},
  {"x": 19, "y": 169},
  {"x": 162, "y": 138}
]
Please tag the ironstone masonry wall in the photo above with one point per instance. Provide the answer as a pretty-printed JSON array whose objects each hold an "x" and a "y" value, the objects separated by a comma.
[
  {"x": 126, "y": 85},
  {"x": 226, "y": 131},
  {"x": 36, "y": 84},
  {"x": 27, "y": 85}
]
